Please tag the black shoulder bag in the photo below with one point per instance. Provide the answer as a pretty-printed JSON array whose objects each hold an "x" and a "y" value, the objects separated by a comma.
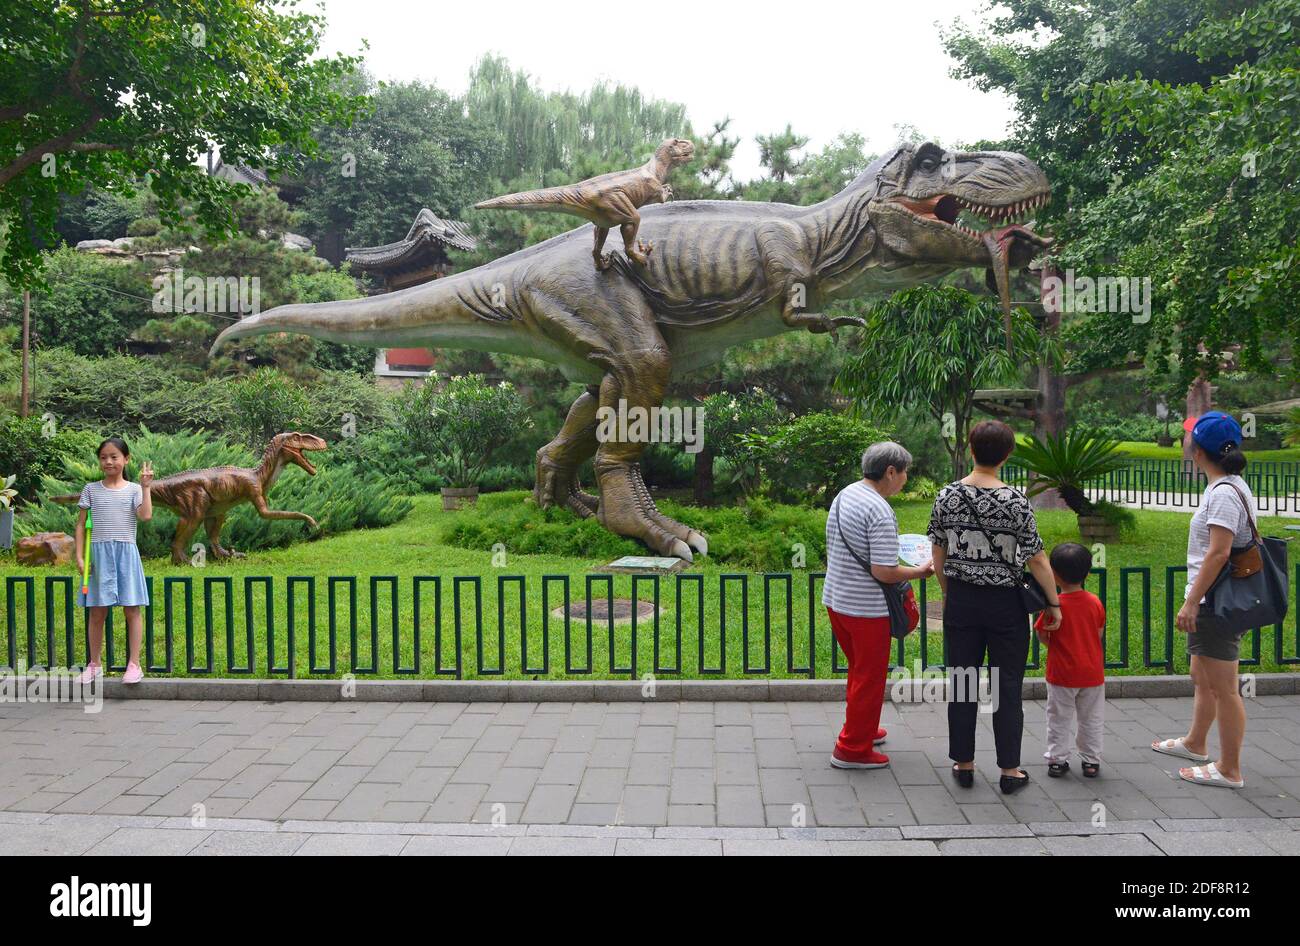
[
  {"x": 900, "y": 599},
  {"x": 1031, "y": 594},
  {"x": 1251, "y": 591}
]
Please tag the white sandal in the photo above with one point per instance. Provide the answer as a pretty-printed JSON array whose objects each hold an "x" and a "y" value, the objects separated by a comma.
[
  {"x": 1175, "y": 747},
  {"x": 1208, "y": 775}
]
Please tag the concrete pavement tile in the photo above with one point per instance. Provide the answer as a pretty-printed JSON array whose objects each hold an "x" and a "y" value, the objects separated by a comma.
[
  {"x": 334, "y": 845},
  {"x": 668, "y": 847},
  {"x": 457, "y": 846},
  {"x": 136, "y": 842}
]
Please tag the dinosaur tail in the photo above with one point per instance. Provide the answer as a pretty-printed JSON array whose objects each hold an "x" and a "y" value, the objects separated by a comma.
[
  {"x": 560, "y": 199},
  {"x": 434, "y": 313}
]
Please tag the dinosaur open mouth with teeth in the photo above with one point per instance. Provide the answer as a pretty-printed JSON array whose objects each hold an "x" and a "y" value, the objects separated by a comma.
[{"x": 1010, "y": 244}]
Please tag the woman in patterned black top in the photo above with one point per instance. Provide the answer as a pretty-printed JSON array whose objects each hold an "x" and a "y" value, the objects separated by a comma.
[{"x": 978, "y": 571}]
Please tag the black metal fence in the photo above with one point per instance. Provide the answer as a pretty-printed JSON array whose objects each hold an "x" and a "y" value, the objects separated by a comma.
[
  {"x": 1179, "y": 484},
  {"x": 451, "y": 631}
]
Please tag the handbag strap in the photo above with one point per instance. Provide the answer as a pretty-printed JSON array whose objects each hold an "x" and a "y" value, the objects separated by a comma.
[
  {"x": 980, "y": 525},
  {"x": 866, "y": 566},
  {"x": 1254, "y": 532}
]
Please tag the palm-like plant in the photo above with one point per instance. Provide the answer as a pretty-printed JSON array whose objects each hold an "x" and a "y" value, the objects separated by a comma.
[
  {"x": 1067, "y": 462},
  {"x": 1291, "y": 434}
]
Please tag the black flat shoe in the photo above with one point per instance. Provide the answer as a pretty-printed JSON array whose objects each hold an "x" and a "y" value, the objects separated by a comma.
[
  {"x": 1090, "y": 769},
  {"x": 1011, "y": 784},
  {"x": 965, "y": 777},
  {"x": 1057, "y": 769}
]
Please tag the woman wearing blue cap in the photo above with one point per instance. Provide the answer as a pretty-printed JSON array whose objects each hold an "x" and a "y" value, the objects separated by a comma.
[{"x": 1222, "y": 522}]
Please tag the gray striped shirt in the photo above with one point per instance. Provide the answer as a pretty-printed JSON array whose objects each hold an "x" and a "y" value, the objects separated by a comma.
[
  {"x": 112, "y": 511},
  {"x": 867, "y": 518}
]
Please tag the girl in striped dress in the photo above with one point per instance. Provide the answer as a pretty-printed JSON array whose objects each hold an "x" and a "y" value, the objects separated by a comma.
[{"x": 116, "y": 573}]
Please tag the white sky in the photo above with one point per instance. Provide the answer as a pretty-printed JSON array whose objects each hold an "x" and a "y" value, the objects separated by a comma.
[{"x": 824, "y": 66}]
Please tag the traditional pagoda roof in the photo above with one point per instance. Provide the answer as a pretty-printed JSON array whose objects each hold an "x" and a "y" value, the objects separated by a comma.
[
  {"x": 428, "y": 234},
  {"x": 239, "y": 174}
]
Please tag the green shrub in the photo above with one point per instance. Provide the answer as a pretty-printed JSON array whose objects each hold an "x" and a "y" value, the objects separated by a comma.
[
  {"x": 144, "y": 227},
  {"x": 808, "y": 458},
  {"x": 120, "y": 392},
  {"x": 921, "y": 488},
  {"x": 459, "y": 428},
  {"x": 339, "y": 496},
  {"x": 28, "y": 455},
  {"x": 1117, "y": 516},
  {"x": 1144, "y": 428},
  {"x": 89, "y": 303},
  {"x": 728, "y": 419},
  {"x": 116, "y": 392},
  {"x": 385, "y": 449},
  {"x": 266, "y": 403},
  {"x": 759, "y": 535}
]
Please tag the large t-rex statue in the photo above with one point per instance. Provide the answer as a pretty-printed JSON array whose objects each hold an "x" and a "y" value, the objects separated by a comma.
[
  {"x": 730, "y": 272},
  {"x": 204, "y": 497}
]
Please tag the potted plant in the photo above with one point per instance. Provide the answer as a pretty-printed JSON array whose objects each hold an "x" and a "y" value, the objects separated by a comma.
[
  {"x": 460, "y": 426},
  {"x": 7, "y": 496},
  {"x": 1066, "y": 463}
]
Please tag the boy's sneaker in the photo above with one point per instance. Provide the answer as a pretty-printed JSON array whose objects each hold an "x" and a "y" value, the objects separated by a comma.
[
  {"x": 89, "y": 674},
  {"x": 873, "y": 760},
  {"x": 133, "y": 674}
]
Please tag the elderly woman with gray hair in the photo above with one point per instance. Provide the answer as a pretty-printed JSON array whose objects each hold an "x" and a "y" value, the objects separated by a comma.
[{"x": 862, "y": 528}]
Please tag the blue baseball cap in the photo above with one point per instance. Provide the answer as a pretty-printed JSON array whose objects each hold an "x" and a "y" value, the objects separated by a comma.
[{"x": 1214, "y": 430}]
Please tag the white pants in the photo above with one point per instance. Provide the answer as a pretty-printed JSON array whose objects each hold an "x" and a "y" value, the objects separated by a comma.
[{"x": 1063, "y": 703}]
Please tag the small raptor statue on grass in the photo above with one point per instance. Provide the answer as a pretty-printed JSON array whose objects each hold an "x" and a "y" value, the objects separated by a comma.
[
  {"x": 610, "y": 200},
  {"x": 204, "y": 497}
]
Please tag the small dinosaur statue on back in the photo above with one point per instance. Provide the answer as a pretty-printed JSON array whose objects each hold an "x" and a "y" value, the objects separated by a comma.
[{"x": 609, "y": 200}]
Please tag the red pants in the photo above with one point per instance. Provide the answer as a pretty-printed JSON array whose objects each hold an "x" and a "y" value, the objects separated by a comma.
[{"x": 865, "y": 642}]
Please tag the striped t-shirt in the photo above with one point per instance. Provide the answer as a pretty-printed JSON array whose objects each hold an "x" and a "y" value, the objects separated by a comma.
[
  {"x": 867, "y": 519},
  {"x": 112, "y": 511}
]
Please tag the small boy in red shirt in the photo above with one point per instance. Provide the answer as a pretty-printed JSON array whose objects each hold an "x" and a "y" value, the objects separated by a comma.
[{"x": 1076, "y": 682}]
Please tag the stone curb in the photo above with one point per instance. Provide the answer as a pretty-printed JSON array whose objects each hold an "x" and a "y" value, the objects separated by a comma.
[
  {"x": 615, "y": 691},
  {"x": 481, "y": 829}
]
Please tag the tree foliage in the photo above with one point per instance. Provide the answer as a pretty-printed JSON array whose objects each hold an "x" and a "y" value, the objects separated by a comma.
[
  {"x": 101, "y": 92},
  {"x": 1169, "y": 130},
  {"x": 932, "y": 347}
]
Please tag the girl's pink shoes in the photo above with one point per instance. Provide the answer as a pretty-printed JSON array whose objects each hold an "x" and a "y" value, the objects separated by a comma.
[{"x": 94, "y": 671}]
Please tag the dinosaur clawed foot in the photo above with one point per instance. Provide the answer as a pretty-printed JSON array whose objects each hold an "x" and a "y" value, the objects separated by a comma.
[
  {"x": 819, "y": 323},
  {"x": 603, "y": 261},
  {"x": 639, "y": 254},
  {"x": 219, "y": 552},
  {"x": 627, "y": 508},
  {"x": 557, "y": 485}
]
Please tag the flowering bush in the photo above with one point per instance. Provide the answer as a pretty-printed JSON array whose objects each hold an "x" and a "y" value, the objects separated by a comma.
[{"x": 461, "y": 426}]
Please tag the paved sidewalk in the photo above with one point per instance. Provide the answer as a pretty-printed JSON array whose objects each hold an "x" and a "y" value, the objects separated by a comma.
[{"x": 169, "y": 776}]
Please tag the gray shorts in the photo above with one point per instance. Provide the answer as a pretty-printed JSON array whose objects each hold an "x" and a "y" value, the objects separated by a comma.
[{"x": 1211, "y": 640}]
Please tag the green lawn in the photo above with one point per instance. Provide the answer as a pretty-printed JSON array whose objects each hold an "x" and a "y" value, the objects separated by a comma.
[
  {"x": 1145, "y": 450},
  {"x": 412, "y": 548}
]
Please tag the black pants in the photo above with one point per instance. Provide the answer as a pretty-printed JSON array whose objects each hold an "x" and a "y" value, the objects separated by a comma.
[{"x": 979, "y": 618}]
